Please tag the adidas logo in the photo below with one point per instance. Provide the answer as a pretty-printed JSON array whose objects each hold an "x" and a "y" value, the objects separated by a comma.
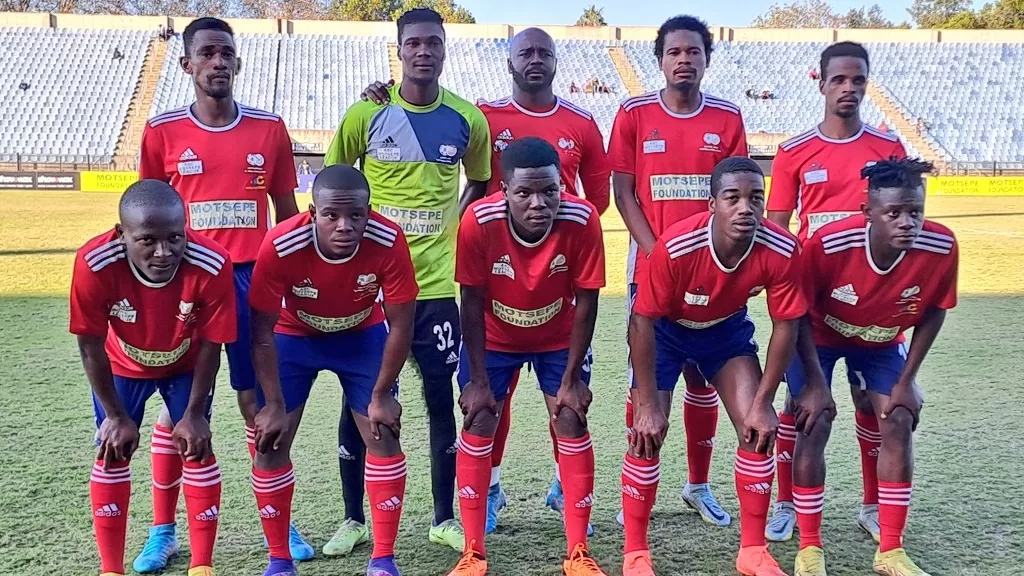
[
  {"x": 874, "y": 452},
  {"x": 784, "y": 457},
  {"x": 269, "y": 511},
  {"x": 108, "y": 511},
  {"x": 390, "y": 505},
  {"x": 211, "y": 514},
  {"x": 759, "y": 488},
  {"x": 846, "y": 294},
  {"x": 586, "y": 502},
  {"x": 709, "y": 443},
  {"x": 453, "y": 449},
  {"x": 345, "y": 454},
  {"x": 632, "y": 492},
  {"x": 389, "y": 142},
  {"x": 123, "y": 311},
  {"x": 505, "y": 134},
  {"x": 188, "y": 154},
  {"x": 468, "y": 493},
  {"x": 453, "y": 358}
]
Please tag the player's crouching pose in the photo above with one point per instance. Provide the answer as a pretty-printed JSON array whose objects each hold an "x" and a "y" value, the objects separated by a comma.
[
  {"x": 694, "y": 298},
  {"x": 329, "y": 265},
  {"x": 868, "y": 279},
  {"x": 531, "y": 263},
  {"x": 151, "y": 306}
]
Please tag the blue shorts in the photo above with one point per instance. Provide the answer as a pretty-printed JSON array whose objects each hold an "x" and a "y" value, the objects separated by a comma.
[
  {"x": 134, "y": 392},
  {"x": 502, "y": 366},
  {"x": 874, "y": 369},
  {"x": 708, "y": 348},
  {"x": 355, "y": 356},
  {"x": 243, "y": 374}
]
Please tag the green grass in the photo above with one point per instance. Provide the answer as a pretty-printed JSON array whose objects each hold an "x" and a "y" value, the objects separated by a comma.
[{"x": 966, "y": 518}]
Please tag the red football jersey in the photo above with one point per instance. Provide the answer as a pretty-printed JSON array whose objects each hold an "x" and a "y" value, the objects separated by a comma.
[
  {"x": 321, "y": 295},
  {"x": 686, "y": 282},
  {"x": 819, "y": 177},
  {"x": 151, "y": 328},
  {"x": 853, "y": 303},
  {"x": 223, "y": 174},
  {"x": 531, "y": 288},
  {"x": 570, "y": 129},
  {"x": 672, "y": 156}
]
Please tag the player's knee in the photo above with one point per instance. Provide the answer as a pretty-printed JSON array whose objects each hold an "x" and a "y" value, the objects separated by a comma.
[
  {"x": 820, "y": 433},
  {"x": 568, "y": 424},
  {"x": 386, "y": 446},
  {"x": 862, "y": 401},
  {"x": 898, "y": 426},
  {"x": 248, "y": 406},
  {"x": 272, "y": 459},
  {"x": 483, "y": 424},
  {"x": 790, "y": 405}
]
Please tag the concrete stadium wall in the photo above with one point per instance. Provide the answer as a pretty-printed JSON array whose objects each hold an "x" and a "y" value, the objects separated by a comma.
[{"x": 605, "y": 33}]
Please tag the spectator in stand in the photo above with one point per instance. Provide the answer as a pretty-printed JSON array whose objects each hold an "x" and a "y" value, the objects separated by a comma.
[
  {"x": 304, "y": 168},
  {"x": 813, "y": 74},
  {"x": 573, "y": 88}
]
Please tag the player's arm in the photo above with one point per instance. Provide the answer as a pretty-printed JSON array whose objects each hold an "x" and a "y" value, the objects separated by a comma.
[
  {"x": 594, "y": 171},
  {"x": 282, "y": 188},
  {"x": 476, "y": 160},
  {"x": 783, "y": 192},
  {"x": 118, "y": 435},
  {"x": 349, "y": 142},
  {"x": 471, "y": 272},
  {"x": 268, "y": 288},
  {"x": 622, "y": 159}
]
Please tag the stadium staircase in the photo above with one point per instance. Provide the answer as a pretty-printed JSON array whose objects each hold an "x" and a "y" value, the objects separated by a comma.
[
  {"x": 395, "y": 62},
  {"x": 626, "y": 71},
  {"x": 894, "y": 113},
  {"x": 126, "y": 153}
]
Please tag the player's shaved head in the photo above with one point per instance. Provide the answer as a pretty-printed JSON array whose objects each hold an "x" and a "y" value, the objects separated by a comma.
[
  {"x": 152, "y": 227},
  {"x": 532, "y": 62},
  {"x": 732, "y": 165},
  {"x": 146, "y": 196},
  {"x": 340, "y": 177},
  {"x": 530, "y": 36}
]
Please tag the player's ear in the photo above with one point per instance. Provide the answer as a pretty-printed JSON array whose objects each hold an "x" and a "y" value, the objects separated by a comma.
[
  {"x": 185, "y": 64},
  {"x": 238, "y": 65},
  {"x": 312, "y": 210},
  {"x": 866, "y": 210},
  {"x": 821, "y": 84},
  {"x": 711, "y": 204},
  {"x": 119, "y": 231},
  {"x": 511, "y": 70}
]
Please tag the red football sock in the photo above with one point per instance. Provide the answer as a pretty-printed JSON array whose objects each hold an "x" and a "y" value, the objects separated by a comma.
[
  {"x": 639, "y": 488},
  {"x": 274, "y": 490},
  {"x": 554, "y": 440},
  {"x": 700, "y": 421},
  {"x": 870, "y": 440},
  {"x": 472, "y": 470},
  {"x": 893, "y": 507},
  {"x": 250, "y": 441},
  {"x": 501, "y": 434},
  {"x": 754, "y": 475},
  {"x": 385, "y": 487},
  {"x": 202, "y": 501},
  {"x": 577, "y": 468},
  {"x": 166, "y": 476},
  {"x": 785, "y": 445},
  {"x": 110, "y": 492},
  {"x": 809, "y": 503}
]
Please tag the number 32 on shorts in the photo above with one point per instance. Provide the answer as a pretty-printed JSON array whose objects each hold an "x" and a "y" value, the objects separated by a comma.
[{"x": 444, "y": 336}]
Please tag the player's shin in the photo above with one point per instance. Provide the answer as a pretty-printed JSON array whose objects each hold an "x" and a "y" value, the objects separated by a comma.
[
  {"x": 351, "y": 458},
  {"x": 250, "y": 440},
  {"x": 202, "y": 487},
  {"x": 110, "y": 489},
  {"x": 166, "y": 468},
  {"x": 501, "y": 434},
  {"x": 440, "y": 401},
  {"x": 385, "y": 486},
  {"x": 785, "y": 446},
  {"x": 473, "y": 471},
  {"x": 809, "y": 481},
  {"x": 870, "y": 441},
  {"x": 577, "y": 468},
  {"x": 895, "y": 478}
]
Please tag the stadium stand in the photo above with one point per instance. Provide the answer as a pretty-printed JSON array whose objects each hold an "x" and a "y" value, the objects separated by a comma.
[{"x": 63, "y": 93}]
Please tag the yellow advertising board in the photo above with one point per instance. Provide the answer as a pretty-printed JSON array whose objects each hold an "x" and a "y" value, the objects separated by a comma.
[
  {"x": 976, "y": 186},
  {"x": 96, "y": 181}
]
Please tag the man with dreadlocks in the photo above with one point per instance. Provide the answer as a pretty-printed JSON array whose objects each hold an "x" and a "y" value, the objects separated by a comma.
[{"x": 869, "y": 278}]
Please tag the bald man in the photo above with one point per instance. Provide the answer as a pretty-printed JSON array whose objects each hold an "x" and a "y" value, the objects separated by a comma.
[
  {"x": 329, "y": 265},
  {"x": 151, "y": 306}
]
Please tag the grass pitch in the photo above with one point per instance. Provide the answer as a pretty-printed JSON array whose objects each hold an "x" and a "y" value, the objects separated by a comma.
[{"x": 966, "y": 517}]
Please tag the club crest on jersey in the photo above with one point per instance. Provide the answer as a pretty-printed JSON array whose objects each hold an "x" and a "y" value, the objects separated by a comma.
[
  {"x": 910, "y": 292},
  {"x": 908, "y": 302},
  {"x": 255, "y": 162},
  {"x": 566, "y": 144},
  {"x": 305, "y": 289},
  {"x": 502, "y": 140},
  {"x": 185, "y": 312},
  {"x": 123, "y": 311},
  {"x": 503, "y": 267},
  {"x": 448, "y": 153},
  {"x": 846, "y": 294},
  {"x": 367, "y": 284},
  {"x": 712, "y": 142},
  {"x": 557, "y": 265}
]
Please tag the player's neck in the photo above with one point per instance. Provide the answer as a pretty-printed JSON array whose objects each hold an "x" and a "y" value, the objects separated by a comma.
[
  {"x": 881, "y": 253},
  {"x": 538, "y": 102},
  {"x": 728, "y": 251},
  {"x": 214, "y": 112},
  {"x": 838, "y": 128},
  {"x": 681, "y": 101},
  {"x": 419, "y": 94}
]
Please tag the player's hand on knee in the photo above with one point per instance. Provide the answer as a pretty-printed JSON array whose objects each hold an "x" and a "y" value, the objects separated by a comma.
[
  {"x": 650, "y": 425},
  {"x": 377, "y": 92},
  {"x": 384, "y": 410},
  {"x": 760, "y": 426},
  {"x": 815, "y": 401},
  {"x": 907, "y": 396},
  {"x": 271, "y": 427},
  {"x": 119, "y": 437},
  {"x": 476, "y": 400},
  {"x": 576, "y": 396},
  {"x": 192, "y": 437}
]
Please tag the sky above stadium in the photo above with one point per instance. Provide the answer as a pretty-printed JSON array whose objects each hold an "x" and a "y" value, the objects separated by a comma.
[{"x": 735, "y": 13}]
